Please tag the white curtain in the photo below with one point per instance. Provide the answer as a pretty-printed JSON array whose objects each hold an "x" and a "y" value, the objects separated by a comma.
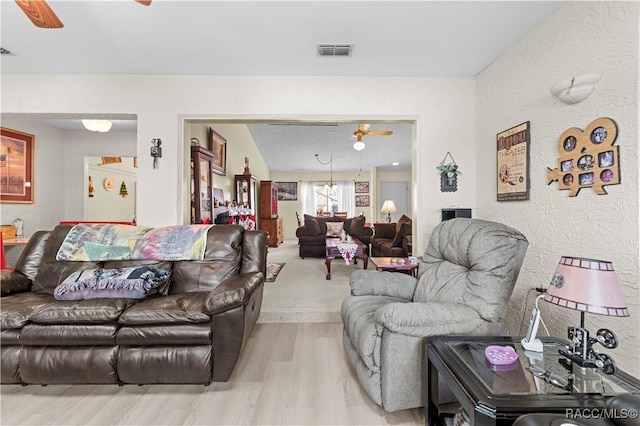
[
  {"x": 346, "y": 197},
  {"x": 314, "y": 194},
  {"x": 307, "y": 198}
]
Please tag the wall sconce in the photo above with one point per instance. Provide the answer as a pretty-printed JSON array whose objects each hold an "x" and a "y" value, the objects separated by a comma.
[
  {"x": 575, "y": 89},
  {"x": 97, "y": 125}
]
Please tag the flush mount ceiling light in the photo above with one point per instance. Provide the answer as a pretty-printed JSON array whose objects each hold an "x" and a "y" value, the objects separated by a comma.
[
  {"x": 97, "y": 125},
  {"x": 575, "y": 89}
]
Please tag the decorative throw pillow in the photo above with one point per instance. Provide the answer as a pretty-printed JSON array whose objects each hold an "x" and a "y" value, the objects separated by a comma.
[
  {"x": 130, "y": 283},
  {"x": 334, "y": 228},
  {"x": 356, "y": 226},
  {"x": 405, "y": 229},
  {"x": 312, "y": 225},
  {"x": 403, "y": 219}
]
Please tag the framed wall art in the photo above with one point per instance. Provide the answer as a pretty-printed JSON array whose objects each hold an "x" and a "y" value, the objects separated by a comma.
[
  {"x": 362, "y": 201},
  {"x": 218, "y": 147},
  {"x": 287, "y": 191},
  {"x": 513, "y": 163},
  {"x": 587, "y": 158},
  {"x": 362, "y": 187},
  {"x": 16, "y": 166}
]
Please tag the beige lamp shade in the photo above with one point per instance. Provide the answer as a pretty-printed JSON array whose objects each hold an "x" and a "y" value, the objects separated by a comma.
[{"x": 388, "y": 207}]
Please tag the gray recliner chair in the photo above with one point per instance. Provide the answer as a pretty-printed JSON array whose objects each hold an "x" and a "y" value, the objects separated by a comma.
[{"x": 464, "y": 283}]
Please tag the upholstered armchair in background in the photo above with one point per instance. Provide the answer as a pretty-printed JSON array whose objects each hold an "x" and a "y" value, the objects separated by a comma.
[{"x": 465, "y": 280}]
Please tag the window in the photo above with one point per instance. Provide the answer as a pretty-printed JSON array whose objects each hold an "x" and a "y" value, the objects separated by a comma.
[{"x": 317, "y": 196}]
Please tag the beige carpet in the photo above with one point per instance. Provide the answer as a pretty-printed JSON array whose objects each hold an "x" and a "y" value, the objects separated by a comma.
[{"x": 301, "y": 293}]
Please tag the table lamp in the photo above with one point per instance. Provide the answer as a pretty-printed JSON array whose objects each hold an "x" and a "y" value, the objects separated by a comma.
[
  {"x": 388, "y": 207},
  {"x": 588, "y": 285}
]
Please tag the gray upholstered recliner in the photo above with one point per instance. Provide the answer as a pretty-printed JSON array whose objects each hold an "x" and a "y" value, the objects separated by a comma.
[{"x": 464, "y": 283}]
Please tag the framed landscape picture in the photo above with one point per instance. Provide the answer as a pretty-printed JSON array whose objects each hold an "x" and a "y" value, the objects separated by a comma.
[
  {"x": 362, "y": 187},
  {"x": 362, "y": 201},
  {"x": 287, "y": 191},
  {"x": 16, "y": 166}
]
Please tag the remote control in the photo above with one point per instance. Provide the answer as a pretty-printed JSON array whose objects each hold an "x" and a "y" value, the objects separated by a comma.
[{"x": 501, "y": 355}]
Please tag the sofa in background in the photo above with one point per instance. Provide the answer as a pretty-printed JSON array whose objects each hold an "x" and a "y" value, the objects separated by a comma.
[
  {"x": 392, "y": 239},
  {"x": 193, "y": 334},
  {"x": 312, "y": 235},
  {"x": 464, "y": 283}
]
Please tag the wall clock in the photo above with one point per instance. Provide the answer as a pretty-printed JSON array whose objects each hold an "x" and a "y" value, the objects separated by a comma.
[{"x": 109, "y": 184}]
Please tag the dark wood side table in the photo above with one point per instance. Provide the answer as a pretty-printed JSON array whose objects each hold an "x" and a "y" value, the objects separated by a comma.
[{"x": 498, "y": 396}]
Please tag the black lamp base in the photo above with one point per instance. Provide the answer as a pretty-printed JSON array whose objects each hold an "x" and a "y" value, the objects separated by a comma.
[{"x": 581, "y": 351}]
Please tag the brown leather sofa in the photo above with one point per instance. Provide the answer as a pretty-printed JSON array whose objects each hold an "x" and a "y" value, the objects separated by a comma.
[
  {"x": 193, "y": 334},
  {"x": 313, "y": 234},
  {"x": 392, "y": 239}
]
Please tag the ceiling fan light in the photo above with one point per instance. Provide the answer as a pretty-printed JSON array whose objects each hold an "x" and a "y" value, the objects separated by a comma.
[
  {"x": 97, "y": 125},
  {"x": 358, "y": 145}
]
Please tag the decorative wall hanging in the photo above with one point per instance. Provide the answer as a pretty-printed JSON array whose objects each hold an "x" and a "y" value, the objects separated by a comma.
[
  {"x": 16, "y": 166},
  {"x": 362, "y": 201},
  {"x": 109, "y": 184},
  {"x": 218, "y": 147},
  {"x": 448, "y": 174},
  {"x": 587, "y": 158},
  {"x": 123, "y": 190},
  {"x": 91, "y": 188},
  {"x": 362, "y": 187},
  {"x": 513, "y": 163}
]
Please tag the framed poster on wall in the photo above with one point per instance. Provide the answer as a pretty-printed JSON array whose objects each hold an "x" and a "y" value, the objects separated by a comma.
[
  {"x": 16, "y": 166},
  {"x": 513, "y": 163},
  {"x": 362, "y": 201},
  {"x": 362, "y": 187}
]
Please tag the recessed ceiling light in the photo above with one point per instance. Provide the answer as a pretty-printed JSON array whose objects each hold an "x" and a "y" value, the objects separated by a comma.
[{"x": 395, "y": 163}]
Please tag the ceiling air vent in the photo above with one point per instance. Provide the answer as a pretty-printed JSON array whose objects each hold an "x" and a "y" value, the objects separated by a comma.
[
  {"x": 4, "y": 51},
  {"x": 335, "y": 49}
]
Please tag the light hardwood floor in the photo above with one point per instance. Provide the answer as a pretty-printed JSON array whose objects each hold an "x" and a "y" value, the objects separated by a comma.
[
  {"x": 289, "y": 374},
  {"x": 293, "y": 371}
]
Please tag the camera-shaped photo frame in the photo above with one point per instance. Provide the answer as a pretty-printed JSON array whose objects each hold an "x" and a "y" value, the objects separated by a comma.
[{"x": 588, "y": 158}]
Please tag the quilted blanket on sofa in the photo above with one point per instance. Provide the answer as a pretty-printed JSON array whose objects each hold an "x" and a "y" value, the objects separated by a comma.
[{"x": 86, "y": 242}]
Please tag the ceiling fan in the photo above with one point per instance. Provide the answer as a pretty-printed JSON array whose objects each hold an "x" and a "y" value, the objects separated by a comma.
[
  {"x": 42, "y": 16},
  {"x": 363, "y": 130}
]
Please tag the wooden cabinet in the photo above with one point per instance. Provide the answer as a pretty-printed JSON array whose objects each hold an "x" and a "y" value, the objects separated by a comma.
[
  {"x": 245, "y": 187},
  {"x": 275, "y": 228},
  {"x": 201, "y": 185},
  {"x": 269, "y": 220},
  {"x": 268, "y": 199}
]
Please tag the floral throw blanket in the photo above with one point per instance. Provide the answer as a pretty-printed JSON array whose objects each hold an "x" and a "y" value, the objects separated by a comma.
[{"x": 86, "y": 242}]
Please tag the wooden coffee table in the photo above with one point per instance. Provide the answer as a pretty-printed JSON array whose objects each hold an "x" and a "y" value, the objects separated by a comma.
[
  {"x": 391, "y": 264},
  {"x": 333, "y": 251}
]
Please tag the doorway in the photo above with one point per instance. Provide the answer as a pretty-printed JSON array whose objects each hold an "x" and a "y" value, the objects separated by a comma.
[
  {"x": 398, "y": 192},
  {"x": 111, "y": 189}
]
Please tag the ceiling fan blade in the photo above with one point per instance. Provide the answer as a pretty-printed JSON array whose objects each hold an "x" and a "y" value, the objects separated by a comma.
[
  {"x": 380, "y": 132},
  {"x": 144, "y": 2},
  {"x": 39, "y": 12}
]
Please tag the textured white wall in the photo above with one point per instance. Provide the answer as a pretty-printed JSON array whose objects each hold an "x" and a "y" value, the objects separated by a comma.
[{"x": 582, "y": 37}]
